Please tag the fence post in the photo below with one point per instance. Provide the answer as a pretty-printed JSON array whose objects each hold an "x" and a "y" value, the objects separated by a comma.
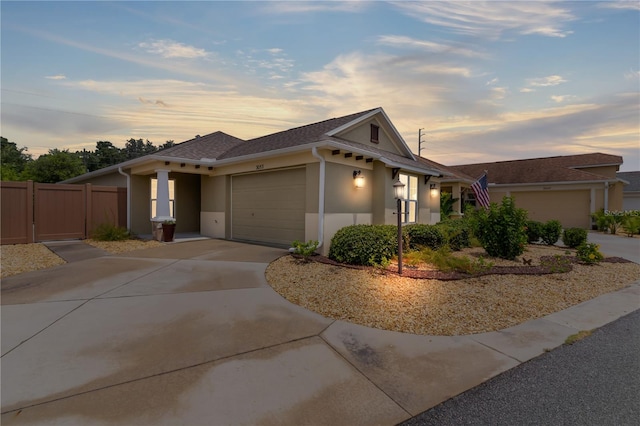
[
  {"x": 31, "y": 226},
  {"x": 88, "y": 217}
]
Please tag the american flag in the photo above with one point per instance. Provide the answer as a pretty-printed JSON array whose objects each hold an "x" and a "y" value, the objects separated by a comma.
[{"x": 480, "y": 189}]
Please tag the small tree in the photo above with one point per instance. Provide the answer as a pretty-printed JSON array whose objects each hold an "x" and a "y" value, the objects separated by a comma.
[
  {"x": 501, "y": 229},
  {"x": 446, "y": 204},
  {"x": 54, "y": 167}
]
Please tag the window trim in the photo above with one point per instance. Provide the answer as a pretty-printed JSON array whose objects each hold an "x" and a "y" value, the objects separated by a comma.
[
  {"x": 406, "y": 201},
  {"x": 375, "y": 130}
]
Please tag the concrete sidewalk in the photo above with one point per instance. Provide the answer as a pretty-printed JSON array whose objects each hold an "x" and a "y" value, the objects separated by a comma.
[{"x": 191, "y": 333}]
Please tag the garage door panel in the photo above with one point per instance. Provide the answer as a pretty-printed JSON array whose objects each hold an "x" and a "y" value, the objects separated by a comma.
[
  {"x": 571, "y": 208},
  {"x": 269, "y": 207}
]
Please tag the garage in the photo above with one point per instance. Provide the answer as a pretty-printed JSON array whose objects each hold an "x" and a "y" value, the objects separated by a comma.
[
  {"x": 571, "y": 208},
  {"x": 269, "y": 207}
]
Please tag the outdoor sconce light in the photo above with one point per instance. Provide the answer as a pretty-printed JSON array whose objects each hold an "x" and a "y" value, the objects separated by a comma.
[
  {"x": 434, "y": 189},
  {"x": 398, "y": 192},
  {"x": 358, "y": 178}
]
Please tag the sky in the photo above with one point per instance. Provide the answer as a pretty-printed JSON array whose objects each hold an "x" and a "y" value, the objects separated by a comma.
[{"x": 486, "y": 81}]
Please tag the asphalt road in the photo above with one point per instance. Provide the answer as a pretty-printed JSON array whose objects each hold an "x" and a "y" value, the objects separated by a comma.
[{"x": 595, "y": 381}]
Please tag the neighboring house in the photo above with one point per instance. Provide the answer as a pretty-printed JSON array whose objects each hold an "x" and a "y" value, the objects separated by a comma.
[
  {"x": 567, "y": 188},
  {"x": 456, "y": 183},
  {"x": 631, "y": 190},
  {"x": 299, "y": 184}
]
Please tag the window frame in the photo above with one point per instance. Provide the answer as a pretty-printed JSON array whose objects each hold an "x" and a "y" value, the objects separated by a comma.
[
  {"x": 407, "y": 201},
  {"x": 375, "y": 131}
]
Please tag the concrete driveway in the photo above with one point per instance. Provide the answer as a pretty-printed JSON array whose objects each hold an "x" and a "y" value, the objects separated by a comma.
[{"x": 191, "y": 333}]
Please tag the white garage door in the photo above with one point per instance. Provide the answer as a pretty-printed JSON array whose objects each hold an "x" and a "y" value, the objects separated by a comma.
[{"x": 269, "y": 207}]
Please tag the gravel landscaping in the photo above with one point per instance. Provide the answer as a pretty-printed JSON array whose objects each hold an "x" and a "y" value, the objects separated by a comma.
[
  {"x": 444, "y": 307},
  {"x": 19, "y": 258},
  {"x": 382, "y": 299}
]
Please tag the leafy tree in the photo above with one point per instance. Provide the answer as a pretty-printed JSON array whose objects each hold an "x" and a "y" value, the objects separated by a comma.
[
  {"x": 135, "y": 148},
  {"x": 167, "y": 144},
  {"x": 13, "y": 159},
  {"x": 107, "y": 154},
  {"x": 54, "y": 167}
]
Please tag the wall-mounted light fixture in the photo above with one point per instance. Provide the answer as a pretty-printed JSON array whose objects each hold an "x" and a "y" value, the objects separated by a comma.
[
  {"x": 433, "y": 189},
  {"x": 358, "y": 178}
]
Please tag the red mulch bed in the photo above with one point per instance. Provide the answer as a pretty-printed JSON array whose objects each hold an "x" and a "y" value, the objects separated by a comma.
[{"x": 553, "y": 265}]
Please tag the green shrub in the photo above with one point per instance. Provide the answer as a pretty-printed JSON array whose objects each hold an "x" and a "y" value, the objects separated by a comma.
[
  {"x": 573, "y": 237},
  {"x": 631, "y": 225},
  {"x": 589, "y": 253},
  {"x": 602, "y": 220},
  {"x": 421, "y": 235},
  {"x": 365, "y": 244},
  {"x": 551, "y": 232},
  {"x": 305, "y": 250},
  {"x": 501, "y": 229},
  {"x": 444, "y": 261},
  {"x": 534, "y": 231},
  {"x": 446, "y": 204},
  {"x": 457, "y": 233},
  {"x": 110, "y": 232}
]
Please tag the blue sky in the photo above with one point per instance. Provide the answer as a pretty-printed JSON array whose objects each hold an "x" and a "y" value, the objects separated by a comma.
[{"x": 487, "y": 81}]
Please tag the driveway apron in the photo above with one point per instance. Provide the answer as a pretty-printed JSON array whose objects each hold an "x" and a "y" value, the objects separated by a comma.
[{"x": 191, "y": 333}]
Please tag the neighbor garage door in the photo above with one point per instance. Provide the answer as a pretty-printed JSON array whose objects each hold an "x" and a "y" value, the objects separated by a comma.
[
  {"x": 571, "y": 208},
  {"x": 268, "y": 207}
]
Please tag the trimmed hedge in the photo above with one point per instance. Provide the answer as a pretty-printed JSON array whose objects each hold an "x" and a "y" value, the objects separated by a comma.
[
  {"x": 574, "y": 237},
  {"x": 365, "y": 244},
  {"x": 422, "y": 235},
  {"x": 551, "y": 232},
  {"x": 457, "y": 233},
  {"x": 534, "y": 231}
]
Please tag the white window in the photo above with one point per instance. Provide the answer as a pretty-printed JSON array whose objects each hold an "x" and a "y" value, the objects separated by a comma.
[
  {"x": 154, "y": 197},
  {"x": 409, "y": 199}
]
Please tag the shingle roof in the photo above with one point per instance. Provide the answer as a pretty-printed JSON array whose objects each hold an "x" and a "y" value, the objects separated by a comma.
[
  {"x": 292, "y": 137},
  {"x": 208, "y": 146},
  {"x": 538, "y": 170},
  {"x": 634, "y": 181},
  {"x": 446, "y": 171}
]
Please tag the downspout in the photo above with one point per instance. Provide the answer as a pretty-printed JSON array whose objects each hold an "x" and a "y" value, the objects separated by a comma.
[
  {"x": 314, "y": 152},
  {"x": 128, "y": 197}
]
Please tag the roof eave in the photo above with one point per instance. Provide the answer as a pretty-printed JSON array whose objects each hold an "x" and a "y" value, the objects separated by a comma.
[{"x": 572, "y": 182}]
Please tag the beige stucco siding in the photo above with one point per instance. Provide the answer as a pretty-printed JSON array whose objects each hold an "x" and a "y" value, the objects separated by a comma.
[
  {"x": 608, "y": 171},
  {"x": 141, "y": 204},
  {"x": 341, "y": 194},
  {"x": 571, "y": 208},
  {"x": 269, "y": 206},
  {"x": 616, "y": 196},
  {"x": 362, "y": 134},
  {"x": 187, "y": 202}
]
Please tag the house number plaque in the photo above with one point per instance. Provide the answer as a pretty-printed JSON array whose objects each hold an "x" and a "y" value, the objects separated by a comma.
[{"x": 259, "y": 166}]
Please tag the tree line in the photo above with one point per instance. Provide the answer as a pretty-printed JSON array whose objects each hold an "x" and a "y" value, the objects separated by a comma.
[{"x": 58, "y": 165}]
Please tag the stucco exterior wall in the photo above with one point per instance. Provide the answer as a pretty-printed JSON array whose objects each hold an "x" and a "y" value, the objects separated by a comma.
[
  {"x": 141, "y": 204},
  {"x": 213, "y": 195},
  {"x": 187, "y": 202},
  {"x": 111, "y": 179},
  {"x": 608, "y": 171},
  {"x": 341, "y": 194},
  {"x": 362, "y": 134}
]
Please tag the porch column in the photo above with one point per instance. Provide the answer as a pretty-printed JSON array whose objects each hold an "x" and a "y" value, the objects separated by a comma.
[
  {"x": 457, "y": 193},
  {"x": 163, "y": 212},
  {"x": 606, "y": 196}
]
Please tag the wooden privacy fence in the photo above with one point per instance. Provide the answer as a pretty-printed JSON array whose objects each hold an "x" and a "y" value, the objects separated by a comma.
[{"x": 33, "y": 212}]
